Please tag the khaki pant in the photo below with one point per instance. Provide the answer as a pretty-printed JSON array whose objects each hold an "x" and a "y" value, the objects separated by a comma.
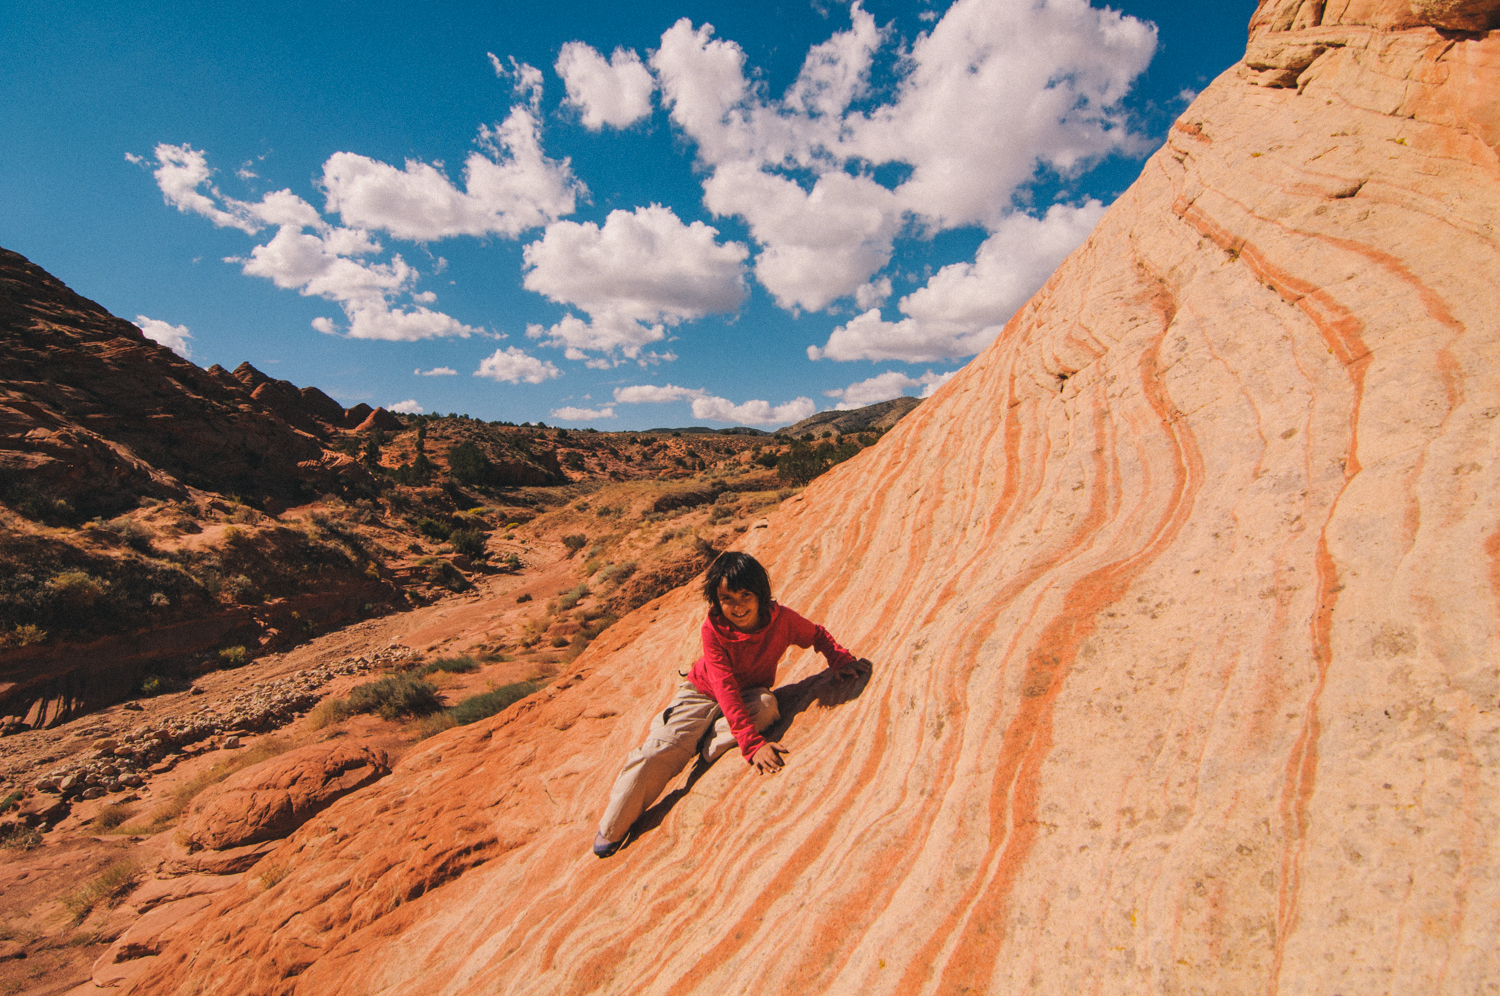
[{"x": 676, "y": 734}]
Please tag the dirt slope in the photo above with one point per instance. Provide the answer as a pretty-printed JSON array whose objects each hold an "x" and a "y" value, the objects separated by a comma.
[{"x": 1183, "y": 598}]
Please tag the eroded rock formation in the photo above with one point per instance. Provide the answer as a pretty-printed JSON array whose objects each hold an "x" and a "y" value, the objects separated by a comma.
[{"x": 1183, "y": 598}]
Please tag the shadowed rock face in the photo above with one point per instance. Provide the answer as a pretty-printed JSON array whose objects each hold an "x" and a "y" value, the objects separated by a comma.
[{"x": 1183, "y": 598}]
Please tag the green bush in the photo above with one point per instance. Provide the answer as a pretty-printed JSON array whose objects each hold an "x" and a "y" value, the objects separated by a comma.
[
  {"x": 467, "y": 465},
  {"x": 574, "y": 542},
  {"x": 451, "y": 665},
  {"x": 523, "y": 598},
  {"x": 573, "y": 597},
  {"x": 469, "y": 542},
  {"x": 559, "y": 641},
  {"x": 77, "y": 589},
  {"x": 395, "y": 695},
  {"x": 434, "y": 529},
  {"x": 485, "y": 705},
  {"x": 234, "y": 656}
]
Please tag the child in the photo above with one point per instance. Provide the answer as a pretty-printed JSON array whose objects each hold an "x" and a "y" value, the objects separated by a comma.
[{"x": 728, "y": 689}]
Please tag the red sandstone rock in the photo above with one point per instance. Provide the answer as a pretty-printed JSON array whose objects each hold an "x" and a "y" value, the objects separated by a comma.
[
  {"x": 273, "y": 798},
  {"x": 1184, "y": 599}
]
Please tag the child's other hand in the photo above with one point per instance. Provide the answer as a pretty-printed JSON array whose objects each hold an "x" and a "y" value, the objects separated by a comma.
[
  {"x": 855, "y": 669},
  {"x": 768, "y": 759}
]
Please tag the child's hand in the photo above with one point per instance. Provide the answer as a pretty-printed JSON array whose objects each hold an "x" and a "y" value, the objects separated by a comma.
[
  {"x": 855, "y": 669},
  {"x": 768, "y": 760}
]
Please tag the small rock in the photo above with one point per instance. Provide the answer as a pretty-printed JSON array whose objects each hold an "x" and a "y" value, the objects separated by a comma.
[
  {"x": 231, "y": 743},
  {"x": 94, "y": 792},
  {"x": 133, "y": 707}
]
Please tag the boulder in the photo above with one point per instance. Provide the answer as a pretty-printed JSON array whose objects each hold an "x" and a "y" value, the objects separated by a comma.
[{"x": 271, "y": 799}]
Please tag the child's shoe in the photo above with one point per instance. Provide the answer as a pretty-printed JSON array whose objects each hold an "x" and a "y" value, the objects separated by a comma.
[{"x": 604, "y": 847}]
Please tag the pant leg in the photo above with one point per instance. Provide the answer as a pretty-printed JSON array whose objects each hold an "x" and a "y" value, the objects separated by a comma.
[
  {"x": 764, "y": 711},
  {"x": 669, "y": 746}
]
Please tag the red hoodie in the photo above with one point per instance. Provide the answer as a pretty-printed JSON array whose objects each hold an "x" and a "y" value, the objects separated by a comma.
[{"x": 733, "y": 660}]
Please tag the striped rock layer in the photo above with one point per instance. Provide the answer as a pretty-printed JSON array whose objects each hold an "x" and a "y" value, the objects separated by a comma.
[{"x": 1183, "y": 602}]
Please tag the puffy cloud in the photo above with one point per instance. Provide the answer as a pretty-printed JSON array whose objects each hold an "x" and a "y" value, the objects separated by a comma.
[
  {"x": 965, "y": 305},
  {"x": 931, "y": 386},
  {"x": 407, "y": 407},
  {"x": 571, "y": 414},
  {"x": 615, "y": 92},
  {"x": 174, "y": 337},
  {"x": 642, "y": 270},
  {"x": 436, "y": 372},
  {"x": 322, "y": 265},
  {"x": 181, "y": 171},
  {"x": 515, "y": 365},
  {"x": 638, "y": 394},
  {"x": 509, "y": 187},
  {"x": 324, "y": 262},
  {"x": 715, "y": 409},
  {"x": 996, "y": 90},
  {"x": 818, "y": 245},
  {"x": 884, "y": 387}
]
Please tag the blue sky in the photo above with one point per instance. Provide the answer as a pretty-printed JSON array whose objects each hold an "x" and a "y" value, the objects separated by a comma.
[{"x": 614, "y": 215}]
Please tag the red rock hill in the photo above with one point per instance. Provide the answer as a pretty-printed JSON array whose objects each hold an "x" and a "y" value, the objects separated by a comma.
[{"x": 1183, "y": 598}]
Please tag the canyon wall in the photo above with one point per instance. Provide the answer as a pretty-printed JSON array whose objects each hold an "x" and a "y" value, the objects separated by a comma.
[{"x": 1183, "y": 600}]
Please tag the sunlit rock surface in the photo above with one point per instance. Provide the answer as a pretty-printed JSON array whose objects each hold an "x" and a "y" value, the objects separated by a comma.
[{"x": 1183, "y": 599}]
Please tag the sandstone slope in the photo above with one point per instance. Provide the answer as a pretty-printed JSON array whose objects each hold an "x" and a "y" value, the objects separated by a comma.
[{"x": 1183, "y": 598}]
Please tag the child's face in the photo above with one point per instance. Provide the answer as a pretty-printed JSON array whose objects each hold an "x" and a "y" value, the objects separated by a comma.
[{"x": 741, "y": 608}]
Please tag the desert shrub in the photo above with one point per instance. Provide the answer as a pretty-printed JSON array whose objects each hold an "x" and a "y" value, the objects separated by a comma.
[
  {"x": 395, "y": 695},
  {"x": 469, "y": 542},
  {"x": 573, "y": 461},
  {"x": 12, "y": 800},
  {"x": 523, "y": 598},
  {"x": 24, "y": 635},
  {"x": 135, "y": 535},
  {"x": 77, "y": 589},
  {"x": 574, "y": 542},
  {"x": 486, "y": 704},
  {"x": 234, "y": 656},
  {"x": 17, "y": 837},
  {"x": 241, "y": 590},
  {"x": 592, "y": 566},
  {"x": 434, "y": 529},
  {"x": 572, "y": 598},
  {"x": 151, "y": 685},
  {"x": 451, "y": 665},
  {"x": 445, "y": 574},
  {"x": 109, "y": 888},
  {"x": 592, "y": 629},
  {"x": 112, "y": 816},
  {"x": 329, "y": 712},
  {"x": 467, "y": 465},
  {"x": 559, "y": 641}
]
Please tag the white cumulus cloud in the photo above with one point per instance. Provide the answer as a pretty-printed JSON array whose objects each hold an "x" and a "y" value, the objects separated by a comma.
[
  {"x": 615, "y": 92},
  {"x": 512, "y": 188},
  {"x": 407, "y": 407},
  {"x": 174, "y": 337},
  {"x": 436, "y": 372},
  {"x": 639, "y": 272},
  {"x": 515, "y": 365},
  {"x": 996, "y": 91},
  {"x": 639, "y": 394},
  {"x": 965, "y": 305},
  {"x": 572, "y": 414},
  {"x": 715, "y": 409},
  {"x": 884, "y": 387},
  {"x": 328, "y": 261}
]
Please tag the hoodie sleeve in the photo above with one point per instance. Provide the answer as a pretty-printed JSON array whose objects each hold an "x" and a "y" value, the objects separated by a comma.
[
  {"x": 805, "y": 633},
  {"x": 725, "y": 688}
]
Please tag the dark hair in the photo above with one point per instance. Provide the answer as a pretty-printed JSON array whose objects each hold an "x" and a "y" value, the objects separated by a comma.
[{"x": 741, "y": 572}]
